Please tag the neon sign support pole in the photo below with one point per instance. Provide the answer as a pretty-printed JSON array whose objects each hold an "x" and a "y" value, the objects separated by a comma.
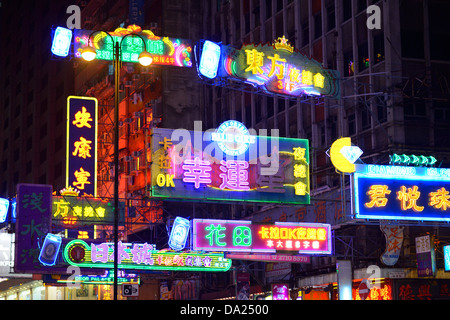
[{"x": 116, "y": 53}]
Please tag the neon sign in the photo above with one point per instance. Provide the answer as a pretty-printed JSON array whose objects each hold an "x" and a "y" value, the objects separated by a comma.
[
  {"x": 164, "y": 50},
  {"x": 4, "y": 206},
  {"x": 192, "y": 165},
  {"x": 402, "y": 193},
  {"x": 62, "y": 39},
  {"x": 276, "y": 68},
  {"x": 141, "y": 257},
  {"x": 233, "y": 138},
  {"x": 107, "y": 278},
  {"x": 179, "y": 234},
  {"x": 73, "y": 211},
  {"x": 81, "y": 149},
  {"x": 244, "y": 236},
  {"x": 403, "y": 159}
]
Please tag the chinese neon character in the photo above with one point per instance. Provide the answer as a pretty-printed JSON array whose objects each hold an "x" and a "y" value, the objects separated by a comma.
[
  {"x": 100, "y": 212},
  {"x": 440, "y": 199},
  {"x": 99, "y": 253},
  {"x": 34, "y": 200},
  {"x": 307, "y": 77},
  {"x": 207, "y": 261},
  {"x": 300, "y": 171},
  {"x": 82, "y": 178},
  {"x": 377, "y": 194},
  {"x": 409, "y": 198},
  {"x": 167, "y": 143},
  {"x": 142, "y": 254},
  {"x": 294, "y": 75},
  {"x": 311, "y": 234},
  {"x": 62, "y": 208},
  {"x": 319, "y": 80},
  {"x": 275, "y": 59},
  {"x": 78, "y": 211},
  {"x": 81, "y": 118},
  {"x": 300, "y": 189},
  {"x": 255, "y": 60},
  {"x": 235, "y": 176},
  {"x": 215, "y": 235},
  {"x": 299, "y": 154},
  {"x": 197, "y": 171},
  {"x": 321, "y": 234},
  {"x": 164, "y": 162},
  {"x": 88, "y": 211},
  {"x": 82, "y": 148}
]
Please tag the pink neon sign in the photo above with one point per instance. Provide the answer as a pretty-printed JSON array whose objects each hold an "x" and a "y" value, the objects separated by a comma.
[{"x": 244, "y": 236}]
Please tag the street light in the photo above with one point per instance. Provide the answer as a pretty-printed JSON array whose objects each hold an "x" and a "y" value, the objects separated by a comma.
[{"x": 89, "y": 53}]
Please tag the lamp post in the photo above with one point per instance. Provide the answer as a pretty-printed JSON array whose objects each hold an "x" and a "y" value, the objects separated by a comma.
[{"x": 89, "y": 53}]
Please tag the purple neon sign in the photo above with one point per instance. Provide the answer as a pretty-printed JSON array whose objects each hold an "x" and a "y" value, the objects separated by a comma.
[{"x": 244, "y": 236}]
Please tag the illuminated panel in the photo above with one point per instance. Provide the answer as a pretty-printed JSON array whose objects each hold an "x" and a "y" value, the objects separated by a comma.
[
  {"x": 107, "y": 278},
  {"x": 446, "y": 250},
  {"x": 141, "y": 257},
  {"x": 62, "y": 39},
  {"x": 164, "y": 50},
  {"x": 179, "y": 234},
  {"x": 278, "y": 69},
  {"x": 209, "y": 61},
  {"x": 4, "y": 205},
  {"x": 243, "y": 236},
  {"x": 50, "y": 249},
  {"x": 402, "y": 193},
  {"x": 81, "y": 148},
  {"x": 71, "y": 211},
  {"x": 193, "y": 165}
]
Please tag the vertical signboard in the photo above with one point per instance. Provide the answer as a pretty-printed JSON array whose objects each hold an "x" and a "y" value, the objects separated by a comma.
[
  {"x": 81, "y": 149},
  {"x": 33, "y": 222},
  {"x": 426, "y": 260}
]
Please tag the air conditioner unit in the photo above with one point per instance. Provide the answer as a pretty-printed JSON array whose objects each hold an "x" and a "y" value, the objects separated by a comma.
[
  {"x": 136, "y": 154},
  {"x": 137, "y": 114},
  {"x": 128, "y": 158},
  {"x": 128, "y": 120}
]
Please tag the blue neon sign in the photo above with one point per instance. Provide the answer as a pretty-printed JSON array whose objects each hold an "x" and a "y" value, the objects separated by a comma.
[
  {"x": 209, "y": 61},
  {"x": 446, "y": 257},
  {"x": 4, "y": 205},
  {"x": 402, "y": 193},
  {"x": 62, "y": 40},
  {"x": 179, "y": 234}
]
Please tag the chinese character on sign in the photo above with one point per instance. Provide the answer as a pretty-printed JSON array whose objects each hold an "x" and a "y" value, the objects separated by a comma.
[
  {"x": 215, "y": 235},
  {"x": 82, "y": 119},
  {"x": 440, "y": 199},
  {"x": 82, "y": 148},
  {"x": 275, "y": 59},
  {"x": 255, "y": 60},
  {"x": 408, "y": 198},
  {"x": 235, "y": 176},
  {"x": 377, "y": 194},
  {"x": 34, "y": 201},
  {"x": 197, "y": 171},
  {"x": 82, "y": 178}
]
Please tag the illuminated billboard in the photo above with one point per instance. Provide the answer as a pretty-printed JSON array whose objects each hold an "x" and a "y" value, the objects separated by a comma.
[
  {"x": 164, "y": 50},
  {"x": 402, "y": 193},
  {"x": 141, "y": 256},
  {"x": 81, "y": 148},
  {"x": 245, "y": 236},
  {"x": 229, "y": 164},
  {"x": 276, "y": 68}
]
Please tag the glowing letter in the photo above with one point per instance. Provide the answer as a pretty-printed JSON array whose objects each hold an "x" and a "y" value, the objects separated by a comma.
[
  {"x": 275, "y": 59},
  {"x": 81, "y": 118},
  {"x": 235, "y": 176},
  {"x": 82, "y": 178},
  {"x": 409, "y": 198},
  {"x": 197, "y": 171},
  {"x": 215, "y": 235},
  {"x": 255, "y": 60},
  {"x": 377, "y": 194},
  {"x": 440, "y": 199},
  {"x": 82, "y": 148}
]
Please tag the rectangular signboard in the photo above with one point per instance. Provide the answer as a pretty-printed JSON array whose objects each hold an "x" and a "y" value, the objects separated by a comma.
[
  {"x": 201, "y": 166},
  {"x": 401, "y": 193},
  {"x": 164, "y": 50},
  {"x": 245, "y": 236},
  {"x": 81, "y": 149}
]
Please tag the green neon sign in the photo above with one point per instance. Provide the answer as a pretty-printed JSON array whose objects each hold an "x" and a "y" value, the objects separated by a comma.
[
  {"x": 138, "y": 256},
  {"x": 413, "y": 160}
]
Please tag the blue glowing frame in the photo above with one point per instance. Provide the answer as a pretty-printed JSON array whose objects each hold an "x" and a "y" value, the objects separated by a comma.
[
  {"x": 179, "y": 234},
  {"x": 210, "y": 58},
  {"x": 4, "y": 206},
  {"x": 54, "y": 241},
  {"x": 446, "y": 250},
  {"x": 62, "y": 39},
  {"x": 427, "y": 179}
]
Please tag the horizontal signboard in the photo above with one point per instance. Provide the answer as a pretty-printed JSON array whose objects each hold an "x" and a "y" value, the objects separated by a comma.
[
  {"x": 141, "y": 257},
  {"x": 245, "y": 236},
  {"x": 401, "y": 193},
  {"x": 224, "y": 166}
]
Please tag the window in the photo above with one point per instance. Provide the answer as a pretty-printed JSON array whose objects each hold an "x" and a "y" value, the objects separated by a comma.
[
  {"x": 378, "y": 47},
  {"x": 363, "y": 53}
]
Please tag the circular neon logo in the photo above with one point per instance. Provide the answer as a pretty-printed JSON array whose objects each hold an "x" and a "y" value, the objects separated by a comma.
[{"x": 233, "y": 138}]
